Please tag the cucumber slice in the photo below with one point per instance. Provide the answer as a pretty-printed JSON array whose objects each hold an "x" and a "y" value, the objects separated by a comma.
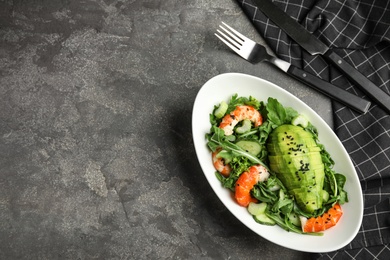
[
  {"x": 300, "y": 120},
  {"x": 221, "y": 110},
  {"x": 294, "y": 219},
  {"x": 258, "y": 212},
  {"x": 256, "y": 209},
  {"x": 325, "y": 195},
  {"x": 264, "y": 220},
  {"x": 245, "y": 127},
  {"x": 231, "y": 138},
  {"x": 227, "y": 156},
  {"x": 252, "y": 147},
  {"x": 281, "y": 194}
]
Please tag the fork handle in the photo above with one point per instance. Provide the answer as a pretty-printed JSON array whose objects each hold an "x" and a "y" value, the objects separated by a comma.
[{"x": 359, "y": 104}]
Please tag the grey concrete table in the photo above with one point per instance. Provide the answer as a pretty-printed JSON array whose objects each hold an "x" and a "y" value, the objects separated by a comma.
[{"x": 96, "y": 152}]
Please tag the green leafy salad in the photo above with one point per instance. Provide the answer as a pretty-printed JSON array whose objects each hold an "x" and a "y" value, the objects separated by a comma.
[{"x": 270, "y": 157}]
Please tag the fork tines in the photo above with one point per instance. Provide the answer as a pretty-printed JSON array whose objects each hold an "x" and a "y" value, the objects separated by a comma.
[
  {"x": 230, "y": 37},
  {"x": 240, "y": 44}
]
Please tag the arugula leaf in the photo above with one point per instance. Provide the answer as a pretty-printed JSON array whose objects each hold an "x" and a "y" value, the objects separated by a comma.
[
  {"x": 290, "y": 114},
  {"x": 239, "y": 101},
  {"x": 276, "y": 112},
  {"x": 286, "y": 224},
  {"x": 219, "y": 138},
  {"x": 343, "y": 195},
  {"x": 253, "y": 102},
  {"x": 261, "y": 193}
]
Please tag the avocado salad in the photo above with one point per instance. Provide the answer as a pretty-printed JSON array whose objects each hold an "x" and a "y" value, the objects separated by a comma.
[{"x": 270, "y": 157}]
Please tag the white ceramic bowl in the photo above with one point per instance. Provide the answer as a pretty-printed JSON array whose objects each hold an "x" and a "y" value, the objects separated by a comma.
[{"x": 222, "y": 87}]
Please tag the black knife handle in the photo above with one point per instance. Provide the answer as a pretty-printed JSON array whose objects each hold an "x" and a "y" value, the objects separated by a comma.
[
  {"x": 373, "y": 91},
  {"x": 359, "y": 104}
]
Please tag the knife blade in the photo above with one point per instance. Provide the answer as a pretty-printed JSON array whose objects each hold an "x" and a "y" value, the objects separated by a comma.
[{"x": 315, "y": 47}]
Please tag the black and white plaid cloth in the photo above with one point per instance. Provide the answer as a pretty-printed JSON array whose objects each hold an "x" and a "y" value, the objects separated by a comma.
[{"x": 358, "y": 31}]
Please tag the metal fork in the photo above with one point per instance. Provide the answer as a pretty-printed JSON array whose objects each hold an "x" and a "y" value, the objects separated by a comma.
[{"x": 255, "y": 53}]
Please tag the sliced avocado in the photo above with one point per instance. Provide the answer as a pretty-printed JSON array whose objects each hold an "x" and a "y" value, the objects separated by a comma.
[
  {"x": 280, "y": 149},
  {"x": 295, "y": 158},
  {"x": 296, "y": 162},
  {"x": 308, "y": 200}
]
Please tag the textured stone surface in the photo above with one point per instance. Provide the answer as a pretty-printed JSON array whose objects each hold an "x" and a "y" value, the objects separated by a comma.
[{"x": 96, "y": 152}]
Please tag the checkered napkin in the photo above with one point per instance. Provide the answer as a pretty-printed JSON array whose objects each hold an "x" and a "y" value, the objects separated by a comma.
[{"x": 358, "y": 31}]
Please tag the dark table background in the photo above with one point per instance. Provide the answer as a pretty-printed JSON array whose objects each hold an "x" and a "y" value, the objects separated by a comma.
[{"x": 96, "y": 152}]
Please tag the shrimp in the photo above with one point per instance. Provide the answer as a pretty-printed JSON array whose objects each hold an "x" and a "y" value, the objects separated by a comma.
[
  {"x": 219, "y": 164},
  {"x": 322, "y": 223},
  {"x": 247, "y": 181},
  {"x": 240, "y": 113}
]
